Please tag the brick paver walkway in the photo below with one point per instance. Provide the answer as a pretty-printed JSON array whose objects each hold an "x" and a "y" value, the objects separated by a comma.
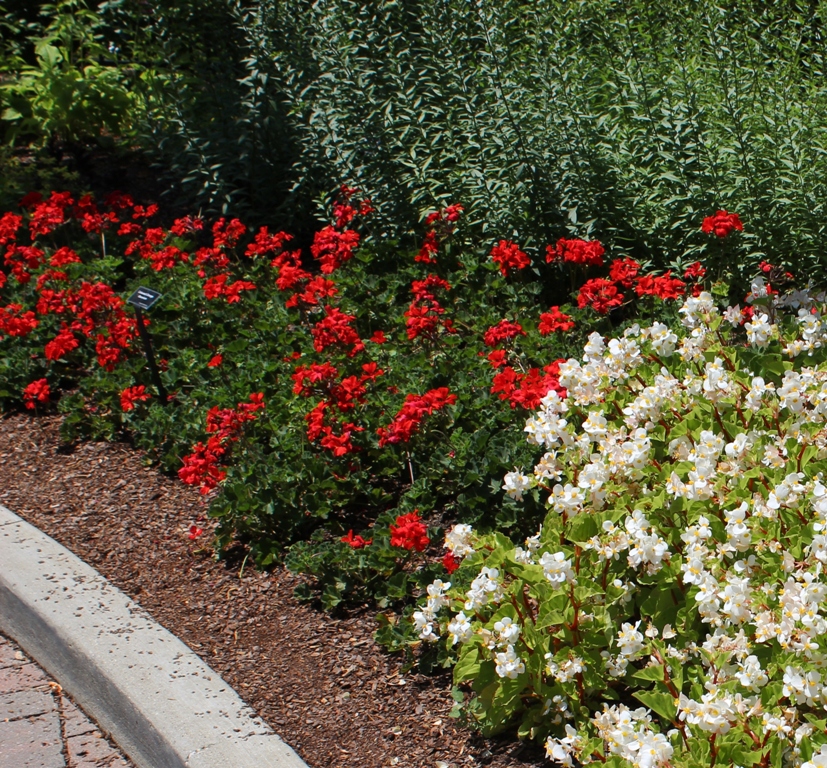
[{"x": 40, "y": 727}]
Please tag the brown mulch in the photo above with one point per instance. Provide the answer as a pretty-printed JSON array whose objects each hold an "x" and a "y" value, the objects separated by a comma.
[{"x": 321, "y": 682}]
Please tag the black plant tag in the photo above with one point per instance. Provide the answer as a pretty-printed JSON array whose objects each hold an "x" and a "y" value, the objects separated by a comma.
[{"x": 144, "y": 298}]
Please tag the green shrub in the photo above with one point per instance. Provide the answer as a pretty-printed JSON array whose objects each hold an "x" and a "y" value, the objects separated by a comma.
[{"x": 68, "y": 94}]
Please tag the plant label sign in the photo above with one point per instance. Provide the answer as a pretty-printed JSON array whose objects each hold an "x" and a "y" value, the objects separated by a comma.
[{"x": 144, "y": 298}]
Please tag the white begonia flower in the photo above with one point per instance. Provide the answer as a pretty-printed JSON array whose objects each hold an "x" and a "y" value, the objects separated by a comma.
[
  {"x": 553, "y": 403},
  {"x": 717, "y": 383},
  {"x": 485, "y": 589},
  {"x": 423, "y": 622},
  {"x": 663, "y": 339},
  {"x": 566, "y": 670},
  {"x": 509, "y": 664},
  {"x": 548, "y": 468},
  {"x": 567, "y": 500},
  {"x": 694, "y": 309},
  {"x": 436, "y": 595},
  {"x": 759, "y": 331},
  {"x": 751, "y": 675},
  {"x": 816, "y": 761},
  {"x": 595, "y": 426},
  {"x": 459, "y": 629},
  {"x": 758, "y": 290},
  {"x": 557, "y": 569},
  {"x": 759, "y": 389},
  {"x": 715, "y": 713},
  {"x": 594, "y": 349},
  {"x": 566, "y": 750},
  {"x": 629, "y": 640},
  {"x": 458, "y": 540},
  {"x": 733, "y": 315},
  {"x": 509, "y": 631},
  {"x": 516, "y": 483}
]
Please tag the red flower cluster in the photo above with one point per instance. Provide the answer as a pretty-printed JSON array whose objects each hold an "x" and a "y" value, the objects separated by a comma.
[
  {"x": 441, "y": 225},
  {"x": 186, "y": 226},
  {"x": 194, "y": 532},
  {"x": 416, "y": 407},
  {"x": 93, "y": 219},
  {"x": 344, "y": 212},
  {"x": 554, "y": 320},
  {"x": 215, "y": 361},
  {"x": 60, "y": 346},
  {"x": 502, "y": 331},
  {"x": 722, "y": 224},
  {"x": 588, "y": 252},
  {"x": 15, "y": 322},
  {"x": 201, "y": 466},
  {"x": 450, "y": 562},
  {"x": 36, "y": 392},
  {"x": 306, "y": 377},
  {"x": 335, "y": 328},
  {"x": 527, "y": 389},
  {"x": 50, "y": 214},
  {"x": 217, "y": 286},
  {"x": 409, "y": 533},
  {"x": 339, "y": 444},
  {"x": 227, "y": 423},
  {"x": 9, "y": 224},
  {"x": 356, "y": 542},
  {"x": 695, "y": 271},
  {"x": 291, "y": 276},
  {"x": 22, "y": 260},
  {"x": 227, "y": 234},
  {"x": 664, "y": 286},
  {"x": 342, "y": 395},
  {"x": 623, "y": 272},
  {"x": 132, "y": 395},
  {"x": 424, "y": 316},
  {"x": 151, "y": 248},
  {"x": 333, "y": 248},
  {"x": 600, "y": 294},
  {"x": 509, "y": 256}
]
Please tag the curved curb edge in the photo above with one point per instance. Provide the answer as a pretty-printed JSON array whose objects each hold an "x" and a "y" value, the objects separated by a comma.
[{"x": 160, "y": 702}]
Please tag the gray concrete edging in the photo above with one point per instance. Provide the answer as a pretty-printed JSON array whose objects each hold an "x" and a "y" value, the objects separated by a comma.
[{"x": 159, "y": 701}]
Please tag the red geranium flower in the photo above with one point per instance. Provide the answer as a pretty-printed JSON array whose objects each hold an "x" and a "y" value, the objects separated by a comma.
[
  {"x": 554, "y": 320},
  {"x": 624, "y": 272},
  {"x": 509, "y": 256},
  {"x": 36, "y": 392},
  {"x": 589, "y": 252},
  {"x": 356, "y": 542},
  {"x": 409, "y": 532},
  {"x": 194, "y": 532},
  {"x": 132, "y": 395},
  {"x": 694, "y": 271},
  {"x": 502, "y": 331},
  {"x": 215, "y": 361},
  {"x": 722, "y": 223},
  {"x": 450, "y": 562},
  {"x": 599, "y": 294}
]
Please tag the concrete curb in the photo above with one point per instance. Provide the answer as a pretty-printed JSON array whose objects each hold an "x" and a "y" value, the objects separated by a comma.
[{"x": 162, "y": 705}]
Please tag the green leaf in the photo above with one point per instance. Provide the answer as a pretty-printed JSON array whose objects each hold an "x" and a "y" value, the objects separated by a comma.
[{"x": 663, "y": 704}]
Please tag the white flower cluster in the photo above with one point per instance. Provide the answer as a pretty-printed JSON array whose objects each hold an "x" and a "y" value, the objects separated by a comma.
[
  {"x": 628, "y": 733},
  {"x": 424, "y": 620},
  {"x": 695, "y": 471}
]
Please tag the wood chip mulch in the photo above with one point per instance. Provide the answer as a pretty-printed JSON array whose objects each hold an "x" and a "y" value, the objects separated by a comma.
[{"x": 321, "y": 682}]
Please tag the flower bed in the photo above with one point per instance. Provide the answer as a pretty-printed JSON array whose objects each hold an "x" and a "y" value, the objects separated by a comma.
[{"x": 356, "y": 402}]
